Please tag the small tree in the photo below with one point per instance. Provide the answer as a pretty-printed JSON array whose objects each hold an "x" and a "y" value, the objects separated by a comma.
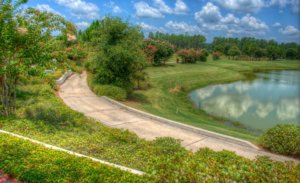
[
  {"x": 26, "y": 47},
  {"x": 188, "y": 55},
  {"x": 216, "y": 55},
  {"x": 233, "y": 52},
  {"x": 119, "y": 58},
  {"x": 158, "y": 51}
]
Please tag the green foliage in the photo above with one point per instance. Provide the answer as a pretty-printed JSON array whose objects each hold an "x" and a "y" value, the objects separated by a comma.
[
  {"x": 181, "y": 41},
  {"x": 192, "y": 55},
  {"x": 234, "y": 52},
  {"x": 114, "y": 92},
  {"x": 251, "y": 48},
  {"x": 75, "y": 53},
  {"x": 26, "y": 47},
  {"x": 216, "y": 55},
  {"x": 158, "y": 51},
  {"x": 164, "y": 158},
  {"x": 33, "y": 163},
  {"x": 111, "y": 91},
  {"x": 118, "y": 53},
  {"x": 283, "y": 139}
]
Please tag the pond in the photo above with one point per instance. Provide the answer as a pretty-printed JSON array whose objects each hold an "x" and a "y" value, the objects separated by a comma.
[{"x": 271, "y": 98}]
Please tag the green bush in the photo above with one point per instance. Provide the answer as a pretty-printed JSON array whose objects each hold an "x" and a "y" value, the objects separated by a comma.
[
  {"x": 48, "y": 112},
  {"x": 114, "y": 92},
  {"x": 33, "y": 163},
  {"x": 283, "y": 139}
]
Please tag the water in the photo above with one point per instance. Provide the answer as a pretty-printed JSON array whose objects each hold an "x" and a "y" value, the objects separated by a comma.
[{"x": 272, "y": 98}]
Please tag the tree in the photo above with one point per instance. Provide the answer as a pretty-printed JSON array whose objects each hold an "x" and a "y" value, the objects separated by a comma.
[
  {"x": 26, "y": 47},
  {"x": 192, "y": 55},
  {"x": 158, "y": 51},
  {"x": 119, "y": 58},
  {"x": 234, "y": 51},
  {"x": 181, "y": 41}
]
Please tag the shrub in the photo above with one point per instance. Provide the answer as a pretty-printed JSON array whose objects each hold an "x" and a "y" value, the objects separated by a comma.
[
  {"x": 283, "y": 139},
  {"x": 192, "y": 55},
  {"x": 110, "y": 91},
  {"x": 49, "y": 113},
  {"x": 216, "y": 55},
  {"x": 158, "y": 51},
  {"x": 188, "y": 55}
]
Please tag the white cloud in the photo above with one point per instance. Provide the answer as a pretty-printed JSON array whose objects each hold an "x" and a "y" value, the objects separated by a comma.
[
  {"x": 251, "y": 23},
  {"x": 210, "y": 18},
  {"x": 180, "y": 7},
  {"x": 242, "y": 5},
  {"x": 230, "y": 19},
  {"x": 162, "y": 6},
  {"x": 276, "y": 24},
  {"x": 143, "y": 9},
  {"x": 47, "y": 8},
  {"x": 182, "y": 27},
  {"x": 82, "y": 25},
  {"x": 288, "y": 109},
  {"x": 290, "y": 31},
  {"x": 295, "y": 4},
  {"x": 209, "y": 14},
  {"x": 151, "y": 28},
  {"x": 115, "y": 8},
  {"x": 264, "y": 110},
  {"x": 80, "y": 9}
]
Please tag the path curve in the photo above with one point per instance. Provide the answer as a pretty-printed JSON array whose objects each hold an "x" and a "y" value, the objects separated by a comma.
[{"x": 77, "y": 95}]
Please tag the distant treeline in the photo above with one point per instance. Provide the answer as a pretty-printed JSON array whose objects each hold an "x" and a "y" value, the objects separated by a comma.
[
  {"x": 255, "y": 48},
  {"x": 180, "y": 41},
  {"x": 234, "y": 48}
]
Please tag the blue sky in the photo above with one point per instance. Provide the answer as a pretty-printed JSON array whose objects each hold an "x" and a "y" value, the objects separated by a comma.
[{"x": 268, "y": 19}]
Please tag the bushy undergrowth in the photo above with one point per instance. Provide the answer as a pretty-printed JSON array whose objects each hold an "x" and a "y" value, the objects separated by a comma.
[
  {"x": 111, "y": 91},
  {"x": 283, "y": 139},
  {"x": 164, "y": 159},
  {"x": 34, "y": 163}
]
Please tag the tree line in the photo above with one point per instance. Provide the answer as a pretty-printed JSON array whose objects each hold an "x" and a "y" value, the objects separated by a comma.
[
  {"x": 180, "y": 41},
  {"x": 249, "y": 48},
  {"x": 246, "y": 48}
]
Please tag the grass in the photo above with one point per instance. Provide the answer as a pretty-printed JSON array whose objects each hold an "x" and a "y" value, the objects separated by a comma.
[
  {"x": 34, "y": 163},
  {"x": 170, "y": 85},
  {"x": 44, "y": 117}
]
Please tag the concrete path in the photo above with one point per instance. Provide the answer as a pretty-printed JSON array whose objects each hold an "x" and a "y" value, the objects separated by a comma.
[{"x": 77, "y": 95}]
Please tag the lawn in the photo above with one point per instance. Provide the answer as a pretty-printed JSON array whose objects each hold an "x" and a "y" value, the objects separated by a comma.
[
  {"x": 171, "y": 83},
  {"x": 43, "y": 116}
]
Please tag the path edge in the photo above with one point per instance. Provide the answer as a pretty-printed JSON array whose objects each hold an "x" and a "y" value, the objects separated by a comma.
[
  {"x": 133, "y": 171},
  {"x": 183, "y": 126}
]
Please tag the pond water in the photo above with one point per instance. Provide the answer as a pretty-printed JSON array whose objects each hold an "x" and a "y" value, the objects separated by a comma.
[{"x": 272, "y": 98}]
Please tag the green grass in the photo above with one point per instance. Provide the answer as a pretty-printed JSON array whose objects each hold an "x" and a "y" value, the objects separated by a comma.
[
  {"x": 34, "y": 163},
  {"x": 44, "y": 117},
  {"x": 160, "y": 99}
]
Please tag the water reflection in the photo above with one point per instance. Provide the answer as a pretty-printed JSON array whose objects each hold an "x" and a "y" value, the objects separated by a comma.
[{"x": 270, "y": 99}]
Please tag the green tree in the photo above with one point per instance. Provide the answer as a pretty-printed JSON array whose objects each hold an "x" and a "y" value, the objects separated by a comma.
[
  {"x": 119, "y": 58},
  {"x": 234, "y": 51},
  {"x": 26, "y": 47},
  {"x": 158, "y": 51}
]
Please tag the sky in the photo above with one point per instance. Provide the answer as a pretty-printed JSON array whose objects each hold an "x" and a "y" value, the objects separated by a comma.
[{"x": 267, "y": 19}]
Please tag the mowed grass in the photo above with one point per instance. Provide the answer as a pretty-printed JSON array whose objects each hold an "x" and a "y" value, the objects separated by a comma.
[{"x": 170, "y": 85}]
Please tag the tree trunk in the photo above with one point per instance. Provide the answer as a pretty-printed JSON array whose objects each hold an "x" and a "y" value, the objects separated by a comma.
[{"x": 8, "y": 95}]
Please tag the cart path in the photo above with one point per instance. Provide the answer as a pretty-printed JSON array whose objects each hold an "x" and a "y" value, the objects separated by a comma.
[{"x": 77, "y": 95}]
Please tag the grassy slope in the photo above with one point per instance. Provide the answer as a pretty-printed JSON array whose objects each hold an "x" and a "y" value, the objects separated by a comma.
[
  {"x": 44, "y": 117},
  {"x": 34, "y": 163},
  {"x": 160, "y": 101}
]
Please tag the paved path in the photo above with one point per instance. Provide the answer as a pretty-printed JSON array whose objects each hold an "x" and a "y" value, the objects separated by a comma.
[{"x": 77, "y": 95}]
